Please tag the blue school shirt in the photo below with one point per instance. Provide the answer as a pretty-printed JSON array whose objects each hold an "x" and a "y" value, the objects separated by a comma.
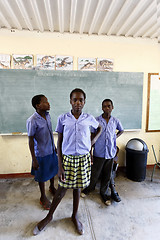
[
  {"x": 76, "y": 133},
  {"x": 105, "y": 146},
  {"x": 41, "y": 129}
]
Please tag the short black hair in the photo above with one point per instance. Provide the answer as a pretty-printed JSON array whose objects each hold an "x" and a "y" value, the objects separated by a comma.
[
  {"x": 36, "y": 100},
  {"x": 107, "y": 100},
  {"x": 78, "y": 90}
]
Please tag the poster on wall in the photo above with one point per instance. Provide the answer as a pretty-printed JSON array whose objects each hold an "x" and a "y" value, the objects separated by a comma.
[
  {"x": 104, "y": 64},
  {"x": 5, "y": 61},
  {"x": 64, "y": 62},
  {"x": 46, "y": 62},
  {"x": 87, "y": 64},
  {"x": 22, "y": 61},
  {"x": 153, "y": 110}
]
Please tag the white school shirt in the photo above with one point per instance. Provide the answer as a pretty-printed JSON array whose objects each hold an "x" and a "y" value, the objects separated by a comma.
[
  {"x": 41, "y": 130},
  {"x": 76, "y": 133},
  {"x": 105, "y": 146}
]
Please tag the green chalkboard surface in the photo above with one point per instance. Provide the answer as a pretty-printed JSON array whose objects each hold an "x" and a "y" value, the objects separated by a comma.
[{"x": 17, "y": 87}]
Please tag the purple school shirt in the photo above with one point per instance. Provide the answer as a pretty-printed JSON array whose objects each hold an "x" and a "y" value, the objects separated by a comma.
[
  {"x": 76, "y": 133},
  {"x": 41, "y": 129},
  {"x": 105, "y": 146}
]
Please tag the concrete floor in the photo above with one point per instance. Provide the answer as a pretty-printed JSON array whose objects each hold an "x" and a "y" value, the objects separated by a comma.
[{"x": 136, "y": 217}]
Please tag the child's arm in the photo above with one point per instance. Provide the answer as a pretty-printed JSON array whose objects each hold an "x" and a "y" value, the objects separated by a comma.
[
  {"x": 91, "y": 151},
  {"x": 119, "y": 133},
  {"x": 96, "y": 135},
  {"x": 34, "y": 159},
  {"x": 61, "y": 174}
]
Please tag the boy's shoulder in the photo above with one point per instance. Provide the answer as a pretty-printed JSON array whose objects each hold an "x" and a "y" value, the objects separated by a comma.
[
  {"x": 64, "y": 115},
  {"x": 33, "y": 117},
  {"x": 117, "y": 122},
  {"x": 114, "y": 118},
  {"x": 99, "y": 118},
  {"x": 88, "y": 116}
]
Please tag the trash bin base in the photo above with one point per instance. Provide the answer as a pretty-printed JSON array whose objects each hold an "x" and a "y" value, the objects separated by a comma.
[
  {"x": 135, "y": 178},
  {"x": 136, "y": 165}
]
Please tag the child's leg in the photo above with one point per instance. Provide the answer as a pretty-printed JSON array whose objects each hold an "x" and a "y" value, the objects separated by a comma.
[
  {"x": 77, "y": 223},
  {"x": 52, "y": 189},
  {"x": 96, "y": 169},
  {"x": 105, "y": 178},
  {"x": 114, "y": 194},
  {"x": 43, "y": 199},
  {"x": 56, "y": 200}
]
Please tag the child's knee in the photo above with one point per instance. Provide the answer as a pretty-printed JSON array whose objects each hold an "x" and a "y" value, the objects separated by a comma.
[{"x": 61, "y": 193}]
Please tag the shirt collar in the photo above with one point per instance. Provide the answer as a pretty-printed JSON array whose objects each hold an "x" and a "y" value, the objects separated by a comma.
[
  {"x": 39, "y": 116},
  {"x": 70, "y": 113},
  {"x": 101, "y": 118}
]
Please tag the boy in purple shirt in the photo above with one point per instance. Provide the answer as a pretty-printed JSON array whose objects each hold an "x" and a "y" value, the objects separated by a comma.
[
  {"x": 104, "y": 152},
  {"x": 73, "y": 147}
]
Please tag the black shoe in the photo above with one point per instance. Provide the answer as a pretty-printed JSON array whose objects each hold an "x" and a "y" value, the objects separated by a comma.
[
  {"x": 115, "y": 197},
  {"x": 84, "y": 193}
]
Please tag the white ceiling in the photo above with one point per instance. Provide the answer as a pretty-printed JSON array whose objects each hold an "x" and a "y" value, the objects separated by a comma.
[{"x": 129, "y": 18}]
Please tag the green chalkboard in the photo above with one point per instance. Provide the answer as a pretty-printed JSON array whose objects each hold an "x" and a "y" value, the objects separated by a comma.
[{"x": 17, "y": 87}]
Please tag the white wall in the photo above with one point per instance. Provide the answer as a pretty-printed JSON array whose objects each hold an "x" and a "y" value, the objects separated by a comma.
[{"x": 133, "y": 55}]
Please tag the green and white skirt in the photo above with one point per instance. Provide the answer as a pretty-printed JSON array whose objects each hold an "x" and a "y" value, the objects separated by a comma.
[{"x": 77, "y": 171}]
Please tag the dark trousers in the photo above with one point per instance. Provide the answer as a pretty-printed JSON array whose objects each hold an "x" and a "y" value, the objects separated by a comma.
[{"x": 101, "y": 168}]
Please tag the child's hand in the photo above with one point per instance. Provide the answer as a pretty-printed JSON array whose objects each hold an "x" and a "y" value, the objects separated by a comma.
[
  {"x": 91, "y": 157},
  {"x": 61, "y": 175},
  {"x": 35, "y": 164},
  {"x": 55, "y": 149}
]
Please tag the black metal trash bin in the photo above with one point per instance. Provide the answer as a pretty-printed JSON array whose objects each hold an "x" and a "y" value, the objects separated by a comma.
[{"x": 136, "y": 159}]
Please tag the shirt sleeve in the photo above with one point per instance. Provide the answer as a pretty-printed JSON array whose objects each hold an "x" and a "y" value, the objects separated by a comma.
[
  {"x": 59, "y": 127},
  {"x": 119, "y": 126},
  {"x": 94, "y": 124},
  {"x": 93, "y": 130},
  {"x": 31, "y": 127}
]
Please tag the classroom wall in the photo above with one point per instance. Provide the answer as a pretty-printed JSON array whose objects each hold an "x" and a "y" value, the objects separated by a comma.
[{"x": 133, "y": 55}]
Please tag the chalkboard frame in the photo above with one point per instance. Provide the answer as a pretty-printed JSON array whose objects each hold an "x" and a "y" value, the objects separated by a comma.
[{"x": 148, "y": 103}]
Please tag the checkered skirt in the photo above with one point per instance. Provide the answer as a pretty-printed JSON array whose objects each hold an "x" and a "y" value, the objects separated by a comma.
[{"x": 77, "y": 171}]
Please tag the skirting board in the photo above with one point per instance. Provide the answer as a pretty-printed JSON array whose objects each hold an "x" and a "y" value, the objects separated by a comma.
[{"x": 28, "y": 175}]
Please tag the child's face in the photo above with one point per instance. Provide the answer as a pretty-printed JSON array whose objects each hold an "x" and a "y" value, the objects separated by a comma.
[
  {"x": 107, "y": 107},
  {"x": 77, "y": 101},
  {"x": 44, "y": 104}
]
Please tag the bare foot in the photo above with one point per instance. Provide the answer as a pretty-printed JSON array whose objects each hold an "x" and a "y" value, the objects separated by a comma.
[
  {"x": 41, "y": 225},
  {"x": 78, "y": 225}
]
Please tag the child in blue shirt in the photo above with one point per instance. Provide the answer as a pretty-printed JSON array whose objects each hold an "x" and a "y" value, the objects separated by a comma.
[
  {"x": 42, "y": 148},
  {"x": 104, "y": 151},
  {"x": 74, "y": 145}
]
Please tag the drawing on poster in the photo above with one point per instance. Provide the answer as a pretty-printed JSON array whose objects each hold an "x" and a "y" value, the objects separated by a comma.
[
  {"x": 64, "y": 62},
  {"x": 5, "y": 61},
  {"x": 87, "y": 64},
  {"x": 104, "y": 64},
  {"x": 22, "y": 61},
  {"x": 46, "y": 62}
]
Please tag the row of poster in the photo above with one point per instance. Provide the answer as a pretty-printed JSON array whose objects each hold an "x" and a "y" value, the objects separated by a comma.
[{"x": 58, "y": 62}]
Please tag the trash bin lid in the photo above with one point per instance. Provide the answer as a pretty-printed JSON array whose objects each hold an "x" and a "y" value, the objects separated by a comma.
[{"x": 137, "y": 144}]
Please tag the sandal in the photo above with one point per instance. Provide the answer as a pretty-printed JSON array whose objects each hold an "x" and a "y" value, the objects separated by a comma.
[{"x": 45, "y": 205}]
